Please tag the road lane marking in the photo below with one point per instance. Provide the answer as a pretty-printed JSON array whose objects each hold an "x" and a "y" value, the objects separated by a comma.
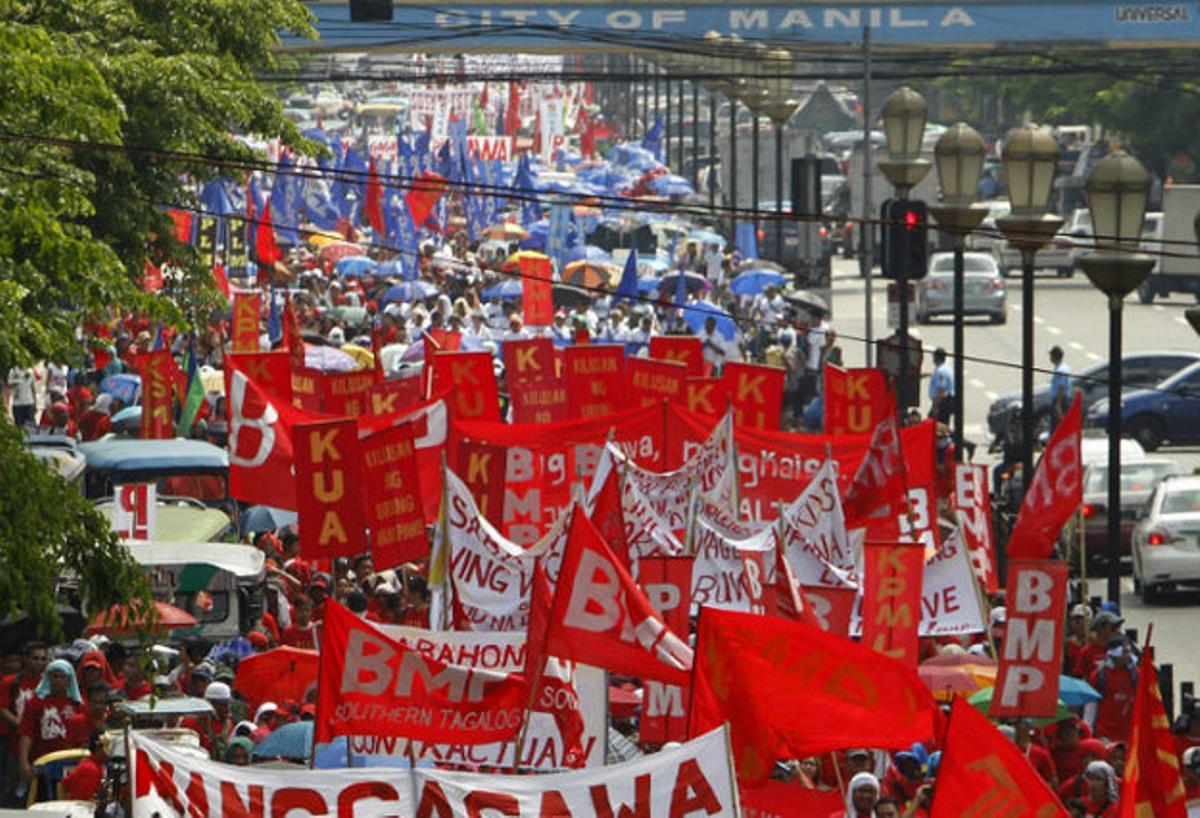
[
  {"x": 1093, "y": 356},
  {"x": 1076, "y": 346},
  {"x": 1158, "y": 308},
  {"x": 1037, "y": 319},
  {"x": 1181, "y": 320},
  {"x": 975, "y": 382},
  {"x": 990, "y": 395},
  {"x": 1054, "y": 330}
]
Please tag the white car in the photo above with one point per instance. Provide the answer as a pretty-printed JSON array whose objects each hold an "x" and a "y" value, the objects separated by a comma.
[{"x": 1166, "y": 542}]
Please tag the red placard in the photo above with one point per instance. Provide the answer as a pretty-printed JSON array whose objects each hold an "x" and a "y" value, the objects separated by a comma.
[
  {"x": 447, "y": 340},
  {"x": 328, "y": 483},
  {"x": 158, "y": 409},
  {"x": 652, "y": 381},
  {"x": 682, "y": 349},
  {"x": 537, "y": 301},
  {"x": 1031, "y": 655},
  {"x": 531, "y": 359},
  {"x": 247, "y": 307},
  {"x": 471, "y": 382},
  {"x": 667, "y": 582},
  {"x": 756, "y": 394},
  {"x": 856, "y": 400},
  {"x": 345, "y": 393},
  {"x": 595, "y": 376},
  {"x": 891, "y": 607},
  {"x": 708, "y": 396},
  {"x": 783, "y": 799},
  {"x": 308, "y": 388},
  {"x": 481, "y": 466},
  {"x": 393, "y": 496},
  {"x": 973, "y": 508},
  {"x": 543, "y": 401},
  {"x": 396, "y": 395}
]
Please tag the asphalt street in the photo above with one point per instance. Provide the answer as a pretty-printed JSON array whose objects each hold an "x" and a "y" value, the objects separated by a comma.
[{"x": 1072, "y": 314}]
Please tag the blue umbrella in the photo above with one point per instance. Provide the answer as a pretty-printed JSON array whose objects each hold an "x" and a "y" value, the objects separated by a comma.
[
  {"x": 293, "y": 740},
  {"x": 508, "y": 288},
  {"x": 589, "y": 253},
  {"x": 124, "y": 387},
  {"x": 353, "y": 266},
  {"x": 753, "y": 282},
  {"x": 392, "y": 268},
  {"x": 672, "y": 185},
  {"x": 538, "y": 233},
  {"x": 648, "y": 284},
  {"x": 695, "y": 316},
  {"x": 1076, "y": 692},
  {"x": 408, "y": 291},
  {"x": 237, "y": 648},
  {"x": 692, "y": 281},
  {"x": 264, "y": 518}
]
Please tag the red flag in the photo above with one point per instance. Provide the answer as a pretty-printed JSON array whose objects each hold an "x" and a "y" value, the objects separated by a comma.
[
  {"x": 756, "y": 394},
  {"x": 1031, "y": 655},
  {"x": 158, "y": 409},
  {"x": 265, "y": 246},
  {"x": 373, "y": 207},
  {"x": 982, "y": 773},
  {"x": 587, "y": 134},
  {"x": 260, "y": 438},
  {"x": 1054, "y": 494},
  {"x": 291, "y": 335},
  {"x": 780, "y": 799},
  {"x": 247, "y": 307},
  {"x": 891, "y": 607},
  {"x": 972, "y": 504},
  {"x": 790, "y": 690},
  {"x": 512, "y": 112},
  {"x": 789, "y": 600},
  {"x": 471, "y": 380},
  {"x": 424, "y": 195},
  {"x": 1152, "y": 784},
  {"x": 856, "y": 400},
  {"x": 555, "y": 688},
  {"x": 376, "y": 356},
  {"x": 708, "y": 396},
  {"x": 345, "y": 393},
  {"x": 447, "y": 340},
  {"x": 373, "y": 685},
  {"x": 595, "y": 376},
  {"x": 328, "y": 482},
  {"x": 394, "y": 509},
  {"x": 879, "y": 481},
  {"x": 221, "y": 280},
  {"x": 609, "y": 517},
  {"x": 152, "y": 277},
  {"x": 537, "y": 302},
  {"x": 601, "y": 617},
  {"x": 396, "y": 395},
  {"x": 682, "y": 349},
  {"x": 651, "y": 381}
]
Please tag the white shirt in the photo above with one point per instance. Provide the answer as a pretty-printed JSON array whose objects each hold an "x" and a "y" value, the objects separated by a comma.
[
  {"x": 58, "y": 377},
  {"x": 714, "y": 264},
  {"x": 21, "y": 382},
  {"x": 816, "y": 344}
]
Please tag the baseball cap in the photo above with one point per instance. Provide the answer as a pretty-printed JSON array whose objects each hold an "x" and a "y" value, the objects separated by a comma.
[
  {"x": 218, "y": 692},
  {"x": 264, "y": 709},
  {"x": 1081, "y": 610},
  {"x": 1106, "y": 618},
  {"x": 857, "y": 752}
]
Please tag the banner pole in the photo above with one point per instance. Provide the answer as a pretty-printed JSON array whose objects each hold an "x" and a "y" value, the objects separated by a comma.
[
  {"x": 837, "y": 771},
  {"x": 1083, "y": 571},
  {"x": 533, "y": 687},
  {"x": 981, "y": 599}
]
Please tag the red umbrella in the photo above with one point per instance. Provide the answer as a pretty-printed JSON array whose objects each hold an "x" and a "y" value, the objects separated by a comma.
[
  {"x": 337, "y": 250},
  {"x": 279, "y": 674},
  {"x": 121, "y": 618}
]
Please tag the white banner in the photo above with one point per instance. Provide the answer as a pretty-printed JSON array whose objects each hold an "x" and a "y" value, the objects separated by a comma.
[
  {"x": 731, "y": 573},
  {"x": 694, "y": 780},
  {"x": 815, "y": 542},
  {"x": 973, "y": 509},
  {"x": 501, "y": 652}
]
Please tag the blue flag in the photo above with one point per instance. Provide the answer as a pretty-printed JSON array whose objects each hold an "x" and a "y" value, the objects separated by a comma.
[
  {"x": 746, "y": 239},
  {"x": 274, "y": 322},
  {"x": 350, "y": 188},
  {"x": 628, "y": 288},
  {"x": 681, "y": 288},
  {"x": 525, "y": 190},
  {"x": 558, "y": 238},
  {"x": 652, "y": 141},
  {"x": 286, "y": 197}
]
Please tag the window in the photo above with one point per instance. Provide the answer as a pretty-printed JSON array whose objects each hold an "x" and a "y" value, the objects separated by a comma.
[
  {"x": 1181, "y": 502},
  {"x": 1135, "y": 477}
]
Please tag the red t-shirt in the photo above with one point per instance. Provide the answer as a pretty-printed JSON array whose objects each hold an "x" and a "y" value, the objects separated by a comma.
[
  {"x": 45, "y": 721},
  {"x": 139, "y": 692},
  {"x": 15, "y": 692},
  {"x": 83, "y": 783},
  {"x": 1039, "y": 758},
  {"x": 1089, "y": 659},
  {"x": 80, "y": 728},
  {"x": 1115, "y": 711},
  {"x": 297, "y": 637}
]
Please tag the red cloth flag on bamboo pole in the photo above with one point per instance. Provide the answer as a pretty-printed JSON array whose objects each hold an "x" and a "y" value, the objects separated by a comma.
[
  {"x": 1152, "y": 785},
  {"x": 158, "y": 410},
  {"x": 1054, "y": 495},
  {"x": 373, "y": 208},
  {"x": 879, "y": 481}
]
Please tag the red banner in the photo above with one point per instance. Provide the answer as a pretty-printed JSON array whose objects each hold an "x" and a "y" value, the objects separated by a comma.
[
  {"x": 481, "y": 466},
  {"x": 891, "y": 607},
  {"x": 595, "y": 376},
  {"x": 781, "y": 799},
  {"x": 537, "y": 301},
  {"x": 247, "y": 307},
  {"x": 327, "y": 486},
  {"x": 972, "y": 505},
  {"x": 308, "y": 387},
  {"x": 756, "y": 394},
  {"x": 447, "y": 340},
  {"x": 393, "y": 497},
  {"x": 372, "y": 685},
  {"x": 856, "y": 400},
  {"x": 391, "y": 396},
  {"x": 471, "y": 381},
  {"x": 667, "y": 582},
  {"x": 158, "y": 407},
  {"x": 652, "y": 382},
  {"x": 682, "y": 349},
  {"x": 1054, "y": 494},
  {"x": 531, "y": 359},
  {"x": 708, "y": 396},
  {"x": 543, "y": 401},
  {"x": 833, "y": 607},
  {"x": 1031, "y": 655},
  {"x": 345, "y": 393},
  {"x": 260, "y": 443}
]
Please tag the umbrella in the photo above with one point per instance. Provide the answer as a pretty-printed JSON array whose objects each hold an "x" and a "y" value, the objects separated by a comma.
[
  {"x": 649, "y": 284},
  {"x": 982, "y": 701},
  {"x": 1076, "y": 692},
  {"x": 128, "y": 420},
  {"x": 809, "y": 300},
  {"x": 124, "y": 387},
  {"x": 354, "y": 266},
  {"x": 333, "y": 252},
  {"x": 589, "y": 274},
  {"x": 323, "y": 238},
  {"x": 292, "y": 740},
  {"x": 753, "y": 282},
  {"x": 237, "y": 649},
  {"x": 417, "y": 290},
  {"x": 392, "y": 268},
  {"x": 945, "y": 681},
  {"x": 514, "y": 261},
  {"x": 693, "y": 282},
  {"x": 328, "y": 359},
  {"x": 120, "y": 618},
  {"x": 695, "y": 316},
  {"x": 364, "y": 356},
  {"x": 508, "y": 288},
  {"x": 506, "y": 231},
  {"x": 589, "y": 253},
  {"x": 282, "y": 673},
  {"x": 565, "y": 296},
  {"x": 264, "y": 518}
]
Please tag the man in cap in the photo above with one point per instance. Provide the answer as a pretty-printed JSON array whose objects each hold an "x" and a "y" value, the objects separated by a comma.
[
  {"x": 266, "y": 719},
  {"x": 561, "y": 331},
  {"x": 1116, "y": 681},
  {"x": 1191, "y": 775},
  {"x": 214, "y": 730},
  {"x": 1105, "y": 626}
]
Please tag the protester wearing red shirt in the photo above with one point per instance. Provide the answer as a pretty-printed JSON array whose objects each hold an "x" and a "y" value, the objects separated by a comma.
[
  {"x": 1116, "y": 681},
  {"x": 44, "y": 722},
  {"x": 1039, "y": 758},
  {"x": 85, "y": 781},
  {"x": 1103, "y": 799},
  {"x": 1064, "y": 738},
  {"x": 1105, "y": 626},
  {"x": 302, "y": 633},
  {"x": 91, "y": 717}
]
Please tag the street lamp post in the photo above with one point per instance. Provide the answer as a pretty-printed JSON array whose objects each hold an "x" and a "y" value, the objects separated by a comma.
[
  {"x": 1030, "y": 157},
  {"x": 780, "y": 107},
  {"x": 1117, "y": 190},
  {"x": 733, "y": 87},
  {"x": 959, "y": 155},
  {"x": 712, "y": 85},
  {"x": 754, "y": 97},
  {"x": 904, "y": 114}
]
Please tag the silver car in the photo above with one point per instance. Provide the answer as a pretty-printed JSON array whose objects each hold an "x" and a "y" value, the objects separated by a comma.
[
  {"x": 1166, "y": 542},
  {"x": 983, "y": 288}
]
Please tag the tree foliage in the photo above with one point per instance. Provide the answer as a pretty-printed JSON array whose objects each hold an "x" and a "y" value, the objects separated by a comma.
[{"x": 130, "y": 78}]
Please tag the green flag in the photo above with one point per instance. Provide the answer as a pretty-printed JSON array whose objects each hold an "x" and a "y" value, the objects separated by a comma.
[{"x": 194, "y": 398}]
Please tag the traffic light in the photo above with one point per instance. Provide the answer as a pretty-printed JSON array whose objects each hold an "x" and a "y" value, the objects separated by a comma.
[{"x": 905, "y": 238}]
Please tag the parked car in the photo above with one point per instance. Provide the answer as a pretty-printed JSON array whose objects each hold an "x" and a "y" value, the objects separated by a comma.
[
  {"x": 1138, "y": 370},
  {"x": 1138, "y": 479},
  {"x": 1166, "y": 542},
  {"x": 983, "y": 288},
  {"x": 1168, "y": 412}
]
